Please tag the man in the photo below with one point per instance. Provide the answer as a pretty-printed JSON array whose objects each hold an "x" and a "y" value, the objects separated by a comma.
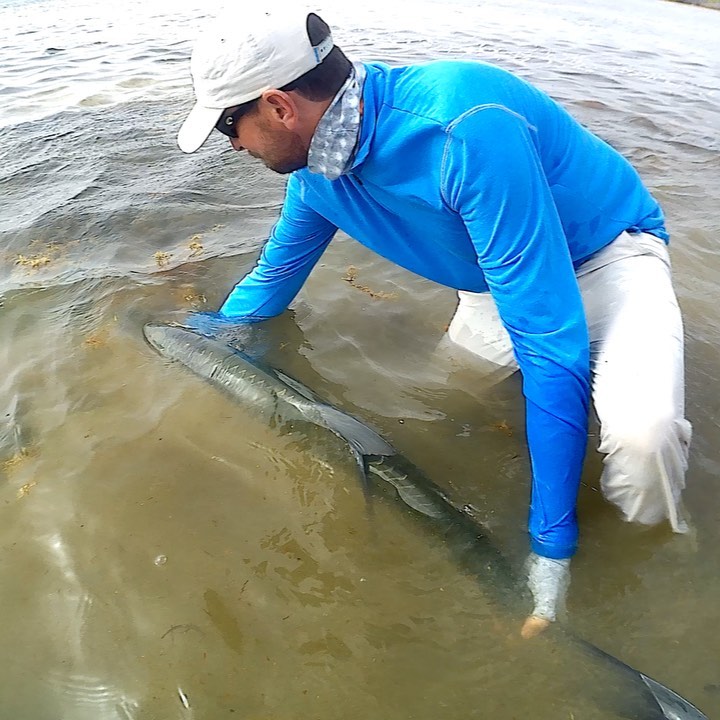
[{"x": 469, "y": 176}]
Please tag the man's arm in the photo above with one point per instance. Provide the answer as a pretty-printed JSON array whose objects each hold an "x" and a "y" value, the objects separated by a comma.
[
  {"x": 492, "y": 177},
  {"x": 296, "y": 243}
]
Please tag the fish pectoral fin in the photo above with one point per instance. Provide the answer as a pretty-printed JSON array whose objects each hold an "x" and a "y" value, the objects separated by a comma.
[{"x": 361, "y": 461}]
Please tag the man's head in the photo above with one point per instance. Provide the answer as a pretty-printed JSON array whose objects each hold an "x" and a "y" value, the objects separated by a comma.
[{"x": 264, "y": 80}]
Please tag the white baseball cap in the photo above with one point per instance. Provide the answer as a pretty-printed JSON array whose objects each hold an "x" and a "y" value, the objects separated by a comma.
[{"x": 241, "y": 55}]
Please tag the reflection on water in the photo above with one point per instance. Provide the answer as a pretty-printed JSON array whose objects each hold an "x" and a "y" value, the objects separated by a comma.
[{"x": 164, "y": 555}]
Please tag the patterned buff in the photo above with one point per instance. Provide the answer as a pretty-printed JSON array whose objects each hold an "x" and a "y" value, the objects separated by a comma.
[{"x": 333, "y": 145}]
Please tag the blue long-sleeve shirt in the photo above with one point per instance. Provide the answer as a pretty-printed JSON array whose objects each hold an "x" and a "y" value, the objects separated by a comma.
[{"x": 471, "y": 177}]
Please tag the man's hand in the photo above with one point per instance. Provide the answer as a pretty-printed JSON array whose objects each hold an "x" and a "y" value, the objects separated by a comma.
[
  {"x": 208, "y": 323},
  {"x": 248, "y": 337},
  {"x": 548, "y": 581}
]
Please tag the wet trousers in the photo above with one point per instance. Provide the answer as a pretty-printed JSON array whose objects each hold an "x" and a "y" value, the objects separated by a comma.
[{"x": 637, "y": 368}]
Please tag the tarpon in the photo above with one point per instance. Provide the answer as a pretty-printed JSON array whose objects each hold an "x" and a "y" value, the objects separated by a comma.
[{"x": 282, "y": 401}]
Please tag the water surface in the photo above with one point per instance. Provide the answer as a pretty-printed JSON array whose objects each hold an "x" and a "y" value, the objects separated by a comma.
[{"x": 166, "y": 556}]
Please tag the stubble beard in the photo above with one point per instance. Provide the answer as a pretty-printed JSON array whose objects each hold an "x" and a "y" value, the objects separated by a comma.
[{"x": 288, "y": 154}]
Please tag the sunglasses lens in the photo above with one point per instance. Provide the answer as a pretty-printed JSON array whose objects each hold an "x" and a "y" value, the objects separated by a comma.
[{"x": 226, "y": 124}]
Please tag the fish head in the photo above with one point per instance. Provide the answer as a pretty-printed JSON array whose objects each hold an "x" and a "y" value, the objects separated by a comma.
[{"x": 161, "y": 336}]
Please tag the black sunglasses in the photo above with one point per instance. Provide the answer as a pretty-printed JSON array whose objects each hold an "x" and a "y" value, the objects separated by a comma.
[{"x": 228, "y": 120}]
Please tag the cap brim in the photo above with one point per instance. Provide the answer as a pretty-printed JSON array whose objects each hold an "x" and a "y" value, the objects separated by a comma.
[{"x": 197, "y": 127}]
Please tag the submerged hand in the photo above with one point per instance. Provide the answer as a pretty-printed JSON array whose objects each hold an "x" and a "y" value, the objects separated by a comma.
[
  {"x": 238, "y": 332},
  {"x": 209, "y": 323},
  {"x": 548, "y": 580}
]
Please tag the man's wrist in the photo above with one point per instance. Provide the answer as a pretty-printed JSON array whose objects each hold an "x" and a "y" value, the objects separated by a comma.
[{"x": 552, "y": 550}]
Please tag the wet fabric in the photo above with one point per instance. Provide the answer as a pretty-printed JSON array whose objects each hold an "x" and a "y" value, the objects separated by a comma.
[
  {"x": 637, "y": 366},
  {"x": 548, "y": 580},
  {"x": 490, "y": 186}
]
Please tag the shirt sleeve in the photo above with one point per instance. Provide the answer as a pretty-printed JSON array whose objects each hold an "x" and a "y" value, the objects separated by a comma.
[
  {"x": 493, "y": 177},
  {"x": 296, "y": 242}
]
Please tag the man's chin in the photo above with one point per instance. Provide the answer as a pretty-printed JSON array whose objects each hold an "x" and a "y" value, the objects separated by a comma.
[{"x": 285, "y": 168}]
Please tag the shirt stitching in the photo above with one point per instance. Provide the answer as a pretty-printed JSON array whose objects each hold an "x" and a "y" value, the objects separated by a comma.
[{"x": 452, "y": 125}]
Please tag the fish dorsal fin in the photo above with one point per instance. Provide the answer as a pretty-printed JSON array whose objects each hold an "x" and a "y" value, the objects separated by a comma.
[
  {"x": 297, "y": 386},
  {"x": 362, "y": 439}
]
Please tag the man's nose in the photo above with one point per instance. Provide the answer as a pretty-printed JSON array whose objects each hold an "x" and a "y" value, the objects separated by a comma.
[{"x": 235, "y": 142}]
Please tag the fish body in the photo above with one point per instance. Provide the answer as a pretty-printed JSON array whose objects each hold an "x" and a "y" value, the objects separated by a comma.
[
  {"x": 278, "y": 399},
  {"x": 266, "y": 393}
]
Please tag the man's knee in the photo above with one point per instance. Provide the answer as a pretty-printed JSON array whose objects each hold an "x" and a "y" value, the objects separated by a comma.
[
  {"x": 645, "y": 463},
  {"x": 641, "y": 437}
]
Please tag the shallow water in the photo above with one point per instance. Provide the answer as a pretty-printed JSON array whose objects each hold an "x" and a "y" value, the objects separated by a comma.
[{"x": 165, "y": 555}]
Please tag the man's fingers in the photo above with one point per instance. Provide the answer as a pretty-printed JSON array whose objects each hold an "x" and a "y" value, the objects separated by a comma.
[{"x": 534, "y": 626}]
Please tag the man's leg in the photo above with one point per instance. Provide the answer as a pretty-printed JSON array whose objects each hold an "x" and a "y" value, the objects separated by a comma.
[
  {"x": 476, "y": 326},
  {"x": 636, "y": 345}
]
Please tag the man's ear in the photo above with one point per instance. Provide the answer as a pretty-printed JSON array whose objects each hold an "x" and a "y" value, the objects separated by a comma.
[{"x": 280, "y": 107}]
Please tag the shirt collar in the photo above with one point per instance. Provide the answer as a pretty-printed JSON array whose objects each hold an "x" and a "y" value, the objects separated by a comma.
[{"x": 334, "y": 143}]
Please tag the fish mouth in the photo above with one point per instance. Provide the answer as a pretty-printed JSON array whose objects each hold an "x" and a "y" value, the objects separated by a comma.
[{"x": 673, "y": 706}]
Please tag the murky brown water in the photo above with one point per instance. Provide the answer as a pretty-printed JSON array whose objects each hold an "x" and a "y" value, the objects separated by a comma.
[{"x": 166, "y": 556}]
